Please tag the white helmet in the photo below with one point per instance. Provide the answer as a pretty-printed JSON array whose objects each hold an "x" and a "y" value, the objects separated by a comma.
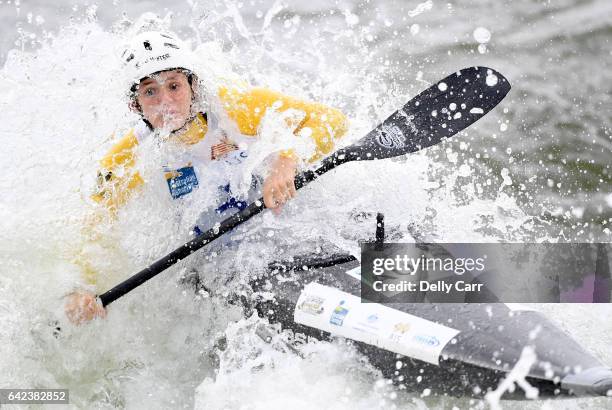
[{"x": 154, "y": 51}]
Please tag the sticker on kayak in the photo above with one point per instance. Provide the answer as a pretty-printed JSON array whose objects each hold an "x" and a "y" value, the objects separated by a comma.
[
  {"x": 312, "y": 305},
  {"x": 339, "y": 313},
  {"x": 343, "y": 314}
]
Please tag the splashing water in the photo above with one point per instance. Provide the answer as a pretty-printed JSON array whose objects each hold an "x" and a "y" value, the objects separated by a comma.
[
  {"x": 162, "y": 341},
  {"x": 516, "y": 375}
]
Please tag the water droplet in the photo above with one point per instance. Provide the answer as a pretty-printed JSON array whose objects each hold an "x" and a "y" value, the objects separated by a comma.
[
  {"x": 491, "y": 79},
  {"x": 482, "y": 35},
  {"x": 350, "y": 18},
  {"x": 442, "y": 86}
]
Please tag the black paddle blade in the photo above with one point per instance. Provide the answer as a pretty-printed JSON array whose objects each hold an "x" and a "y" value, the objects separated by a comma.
[{"x": 447, "y": 107}]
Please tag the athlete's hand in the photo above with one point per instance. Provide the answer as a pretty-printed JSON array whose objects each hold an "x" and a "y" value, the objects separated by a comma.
[
  {"x": 82, "y": 306},
  {"x": 279, "y": 186}
]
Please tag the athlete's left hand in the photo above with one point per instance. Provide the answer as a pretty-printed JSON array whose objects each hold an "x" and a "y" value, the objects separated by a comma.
[{"x": 279, "y": 186}]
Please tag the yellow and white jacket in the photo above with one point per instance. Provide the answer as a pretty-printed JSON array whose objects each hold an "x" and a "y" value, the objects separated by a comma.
[{"x": 118, "y": 180}]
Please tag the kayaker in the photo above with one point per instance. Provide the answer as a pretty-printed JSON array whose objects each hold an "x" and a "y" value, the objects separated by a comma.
[{"x": 177, "y": 109}]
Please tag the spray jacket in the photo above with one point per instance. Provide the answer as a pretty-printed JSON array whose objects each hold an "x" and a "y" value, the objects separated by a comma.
[{"x": 118, "y": 179}]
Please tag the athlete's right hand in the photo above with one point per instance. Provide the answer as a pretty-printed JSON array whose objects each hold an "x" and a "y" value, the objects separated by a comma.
[{"x": 82, "y": 306}]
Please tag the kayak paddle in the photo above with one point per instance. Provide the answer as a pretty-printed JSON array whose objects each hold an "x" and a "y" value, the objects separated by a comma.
[{"x": 444, "y": 109}]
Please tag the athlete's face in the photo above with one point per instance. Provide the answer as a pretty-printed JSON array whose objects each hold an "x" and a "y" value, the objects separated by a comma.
[{"x": 165, "y": 99}]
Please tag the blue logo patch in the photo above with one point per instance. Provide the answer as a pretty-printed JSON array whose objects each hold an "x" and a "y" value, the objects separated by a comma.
[{"x": 182, "y": 181}]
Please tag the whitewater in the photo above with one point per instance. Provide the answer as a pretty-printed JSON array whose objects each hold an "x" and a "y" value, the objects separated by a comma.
[{"x": 164, "y": 346}]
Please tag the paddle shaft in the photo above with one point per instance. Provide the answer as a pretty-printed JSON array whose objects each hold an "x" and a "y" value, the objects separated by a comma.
[{"x": 190, "y": 247}]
